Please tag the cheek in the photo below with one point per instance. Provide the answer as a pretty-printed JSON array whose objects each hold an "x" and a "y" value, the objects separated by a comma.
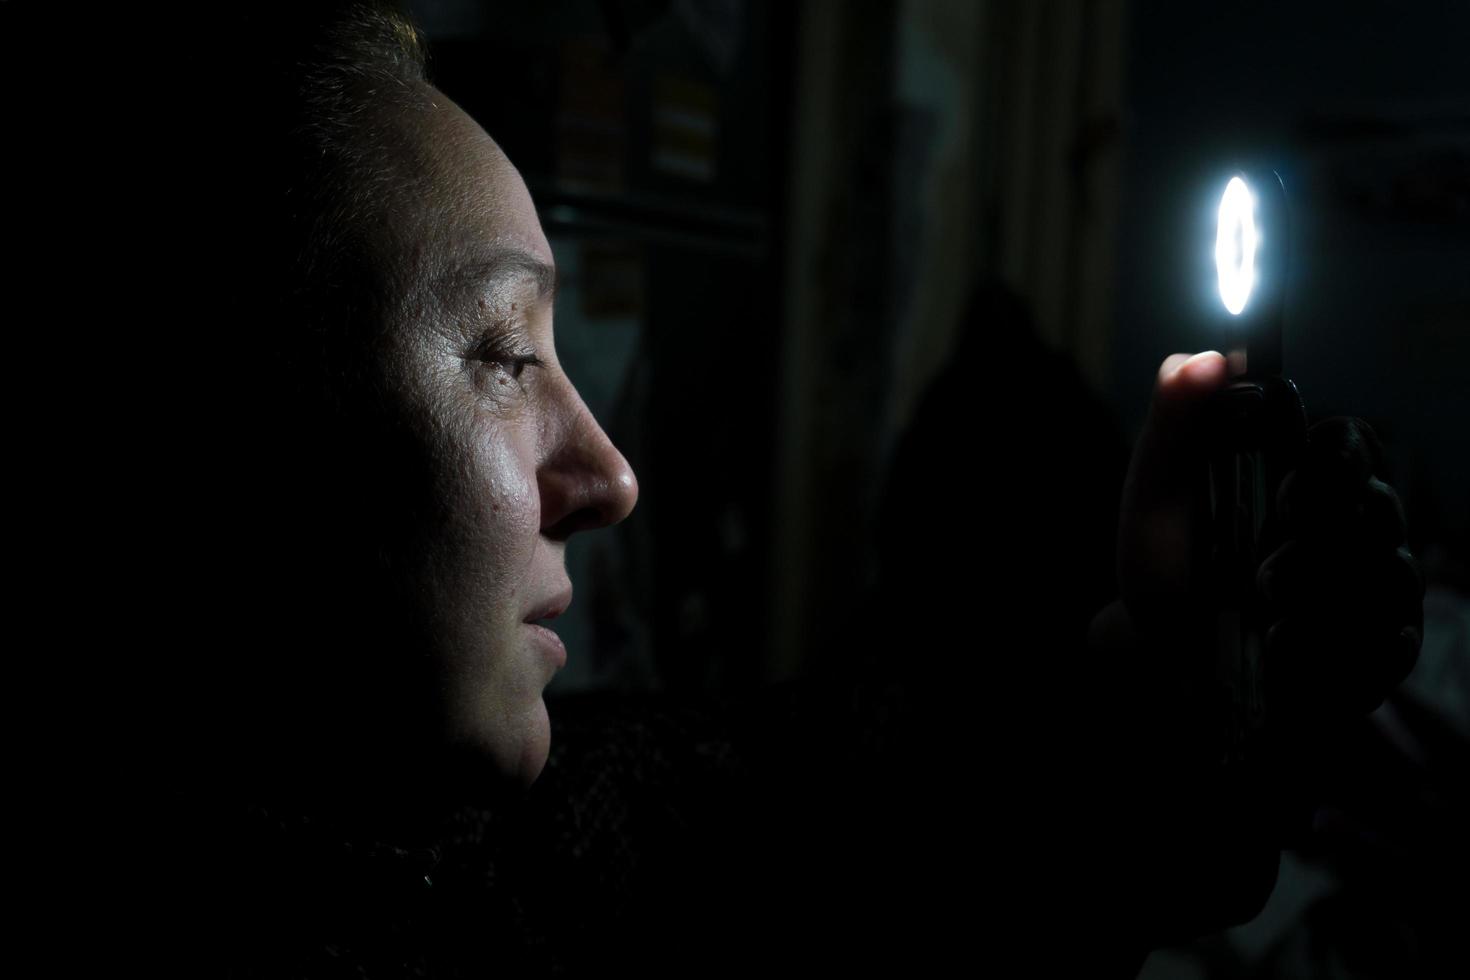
[
  {"x": 487, "y": 546},
  {"x": 477, "y": 519},
  {"x": 499, "y": 482},
  {"x": 492, "y": 694}
]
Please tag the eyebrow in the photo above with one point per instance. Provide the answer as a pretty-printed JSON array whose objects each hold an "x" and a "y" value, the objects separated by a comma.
[{"x": 491, "y": 266}]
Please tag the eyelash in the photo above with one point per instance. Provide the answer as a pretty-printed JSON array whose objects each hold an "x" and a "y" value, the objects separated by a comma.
[
  {"x": 514, "y": 364},
  {"x": 517, "y": 364}
]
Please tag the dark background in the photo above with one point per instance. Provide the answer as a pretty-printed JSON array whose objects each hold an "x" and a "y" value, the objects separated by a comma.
[
  {"x": 771, "y": 219},
  {"x": 779, "y": 226},
  {"x": 783, "y": 212}
]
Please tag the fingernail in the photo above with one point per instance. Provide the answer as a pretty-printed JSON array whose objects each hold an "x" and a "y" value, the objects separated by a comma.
[
  {"x": 1172, "y": 365},
  {"x": 1201, "y": 357}
]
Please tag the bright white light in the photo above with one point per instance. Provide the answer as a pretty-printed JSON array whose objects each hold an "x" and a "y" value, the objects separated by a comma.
[{"x": 1235, "y": 245}]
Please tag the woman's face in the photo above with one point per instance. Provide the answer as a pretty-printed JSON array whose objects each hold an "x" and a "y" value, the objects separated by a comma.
[{"x": 502, "y": 462}]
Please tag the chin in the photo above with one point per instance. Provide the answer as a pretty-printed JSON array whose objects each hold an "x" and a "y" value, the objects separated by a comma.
[
  {"x": 508, "y": 747},
  {"x": 535, "y": 746},
  {"x": 517, "y": 751}
]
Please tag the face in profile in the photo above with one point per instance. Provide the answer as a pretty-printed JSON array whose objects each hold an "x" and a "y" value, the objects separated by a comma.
[{"x": 497, "y": 460}]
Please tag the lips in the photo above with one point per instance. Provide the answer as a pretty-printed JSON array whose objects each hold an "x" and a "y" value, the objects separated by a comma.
[
  {"x": 550, "y": 645},
  {"x": 550, "y": 607}
]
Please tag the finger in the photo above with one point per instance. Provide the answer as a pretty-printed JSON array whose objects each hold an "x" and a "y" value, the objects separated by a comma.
[
  {"x": 1383, "y": 516},
  {"x": 1328, "y": 488},
  {"x": 1322, "y": 669},
  {"x": 1317, "y": 504},
  {"x": 1155, "y": 529},
  {"x": 1181, "y": 389},
  {"x": 1405, "y": 581},
  {"x": 1280, "y": 578},
  {"x": 1313, "y": 507},
  {"x": 1344, "y": 444},
  {"x": 1348, "y": 627},
  {"x": 1353, "y": 579}
]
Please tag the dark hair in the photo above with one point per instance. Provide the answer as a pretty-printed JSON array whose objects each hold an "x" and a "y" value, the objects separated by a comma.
[
  {"x": 366, "y": 62},
  {"x": 290, "y": 138},
  {"x": 271, "y": 162}
]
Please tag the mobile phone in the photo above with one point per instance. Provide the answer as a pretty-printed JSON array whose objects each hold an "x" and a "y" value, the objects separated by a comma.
[{"x": 1257, "y": 432}]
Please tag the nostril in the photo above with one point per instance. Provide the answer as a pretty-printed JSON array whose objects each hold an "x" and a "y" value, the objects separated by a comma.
[
  {"x": 585, "y": 483},
  {"x": 584, "y": 519}
]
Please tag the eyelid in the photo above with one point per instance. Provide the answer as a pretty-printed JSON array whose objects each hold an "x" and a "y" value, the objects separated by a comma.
[
  {"x": 496, "y": 348},
  {"x": 520, "y": 362},
  {"x": 502, "y": 338}
]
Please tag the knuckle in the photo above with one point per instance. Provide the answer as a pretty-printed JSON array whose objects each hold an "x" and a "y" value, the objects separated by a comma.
[{"x": 1383, "y": 515}]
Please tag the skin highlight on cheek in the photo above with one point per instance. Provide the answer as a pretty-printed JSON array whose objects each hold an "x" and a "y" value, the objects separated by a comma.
[{"x": 503, "y": 468}]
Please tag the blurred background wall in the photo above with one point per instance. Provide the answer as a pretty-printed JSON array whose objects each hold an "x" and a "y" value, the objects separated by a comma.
[{"x": 770, "y": 220}]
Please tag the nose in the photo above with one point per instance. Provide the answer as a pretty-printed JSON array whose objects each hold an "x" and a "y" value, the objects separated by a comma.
[{"x": 585, "y": 482}]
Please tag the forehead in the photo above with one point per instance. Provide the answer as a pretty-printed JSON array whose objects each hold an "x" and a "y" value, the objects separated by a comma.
[{"x": 456, "y": 198}]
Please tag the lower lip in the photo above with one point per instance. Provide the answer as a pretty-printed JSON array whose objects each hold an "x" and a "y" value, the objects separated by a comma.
[{"x": 550, "y": 643}]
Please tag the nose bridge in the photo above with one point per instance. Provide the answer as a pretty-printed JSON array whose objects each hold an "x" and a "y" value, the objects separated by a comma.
[{"x": 585, "y": 481}]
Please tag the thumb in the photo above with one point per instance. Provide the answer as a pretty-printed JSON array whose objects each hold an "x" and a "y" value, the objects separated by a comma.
[{"x": 1157, "y": 522}]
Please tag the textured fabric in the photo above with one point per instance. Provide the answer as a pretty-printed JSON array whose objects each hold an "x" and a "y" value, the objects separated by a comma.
[{"x": 602, "y": 861}]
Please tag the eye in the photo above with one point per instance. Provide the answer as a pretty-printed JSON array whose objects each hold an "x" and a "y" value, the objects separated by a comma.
[
  {"x": 504, "y": 358},
  {"x": 516, "y": 365}
]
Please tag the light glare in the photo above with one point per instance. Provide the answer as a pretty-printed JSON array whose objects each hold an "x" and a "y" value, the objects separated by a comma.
[{"x": 1235, "y": 246}]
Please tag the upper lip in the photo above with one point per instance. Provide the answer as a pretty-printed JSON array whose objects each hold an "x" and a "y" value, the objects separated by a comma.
[{"x": 552, "y": 606}]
